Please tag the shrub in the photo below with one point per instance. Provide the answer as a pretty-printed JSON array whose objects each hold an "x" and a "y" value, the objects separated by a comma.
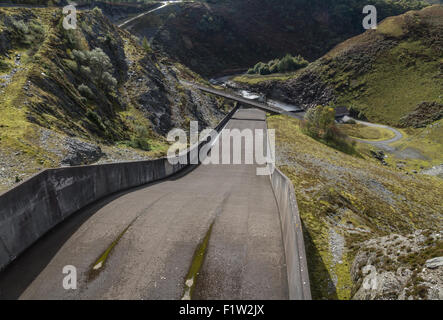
[
  {"x": 287, "y": 64},
  {"x": 96, "y": 65},
  {"x": 95, "y": 118},
  {"x": 36, "y": 27},
  {"x": 140, "y": 141},
  {"x": 85, "y": 91},
  {"x": 20, "y": 26},
  {"x": 319, "y": 123},
  {"x": 86, "y": 71},
  {"x": 97, "y": 10},
  {"x": 108, "y": 80},
  {"x": 146, "y": 45},
  {"x": 79, "y": 56},
  {"x": 71, "y": 64}
]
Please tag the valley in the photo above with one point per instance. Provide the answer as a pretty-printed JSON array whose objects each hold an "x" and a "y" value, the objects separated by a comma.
[{"x": 367, "y": 184}]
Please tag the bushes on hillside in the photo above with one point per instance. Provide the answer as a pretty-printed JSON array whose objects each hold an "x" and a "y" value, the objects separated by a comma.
[
  {"x": 141, "y": 140},
  {"x": 25, "y": 33},
  {"x": 286, "y": 64},
  {"x": 85, "y": 91},
  {"x": 319, "y": 123},
  {"x": 97, "y": 65}
]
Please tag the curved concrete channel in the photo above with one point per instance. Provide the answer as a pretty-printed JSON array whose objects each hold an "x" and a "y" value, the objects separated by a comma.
[{"x": 140, "y": 244}]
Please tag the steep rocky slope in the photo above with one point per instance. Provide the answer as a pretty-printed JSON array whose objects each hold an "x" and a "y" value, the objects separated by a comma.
[
  {"x": 75, "y": 96},
  {"x": 225, "y": 36}
]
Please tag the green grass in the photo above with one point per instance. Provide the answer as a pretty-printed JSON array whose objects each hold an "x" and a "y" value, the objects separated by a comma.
[
  {"x": 361, "y": 131},
  {"x": 428, "y": 141},
  {"x": 252, "y": 79},
  {"x": 392, "y": 26}
]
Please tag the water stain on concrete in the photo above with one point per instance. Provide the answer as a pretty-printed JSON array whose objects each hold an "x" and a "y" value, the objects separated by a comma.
[{"x": 197, "y": 262}]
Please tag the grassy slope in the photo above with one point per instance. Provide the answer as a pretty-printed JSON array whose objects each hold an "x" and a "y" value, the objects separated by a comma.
[
  {"x": 344, "y": 197},
  {"x": 361, "y": 131},
  {"x": 428, "y": 141}
]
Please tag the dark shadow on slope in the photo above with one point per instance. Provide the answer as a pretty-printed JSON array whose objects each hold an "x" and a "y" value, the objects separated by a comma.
[{"x": 322, "y": 286}]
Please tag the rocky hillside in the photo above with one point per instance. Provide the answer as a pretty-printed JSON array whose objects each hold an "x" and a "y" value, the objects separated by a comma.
[
  {"x": 77, "y": 96},
  {"x": 400, "y": 267},
  {"x": 224, "y": 36},
  {"x": 384, "y": 74}
]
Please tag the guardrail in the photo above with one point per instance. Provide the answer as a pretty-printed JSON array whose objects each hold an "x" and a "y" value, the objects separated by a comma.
[{"x": 41, "y": 202}]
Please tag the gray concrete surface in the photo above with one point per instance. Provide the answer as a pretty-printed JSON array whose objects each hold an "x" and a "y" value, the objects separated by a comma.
[
  {"x": 38, "y": 204},
  {"x": 297, "y": 266},
  {"x": 164, "y": 223}
]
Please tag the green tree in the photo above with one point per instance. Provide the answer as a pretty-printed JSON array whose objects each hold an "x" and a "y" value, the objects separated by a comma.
[{"x": 96, "y": 65}]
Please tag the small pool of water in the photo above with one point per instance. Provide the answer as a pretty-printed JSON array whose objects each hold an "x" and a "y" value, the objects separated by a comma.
[
  {"x": 249, "y": 95},
  {"x": 285, "y": 106}
]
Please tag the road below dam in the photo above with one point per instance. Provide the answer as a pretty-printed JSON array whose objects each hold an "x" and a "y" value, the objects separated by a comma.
[{"x": 212, "y": 232}]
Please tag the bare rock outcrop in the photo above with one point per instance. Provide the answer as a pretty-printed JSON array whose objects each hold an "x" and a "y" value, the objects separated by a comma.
[{"x": 399, "y": 268}]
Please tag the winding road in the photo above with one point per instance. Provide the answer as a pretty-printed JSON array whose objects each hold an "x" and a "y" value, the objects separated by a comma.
[
  {"x": 164, "y": 4},
  {"x": 382, "y": 144}
]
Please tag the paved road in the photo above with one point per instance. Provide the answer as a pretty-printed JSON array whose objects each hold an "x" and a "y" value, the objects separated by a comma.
[
  {"x": 383, "y": 144},
  {"x": 154, "y": 232},
  {"x": 163, "y": 4}
]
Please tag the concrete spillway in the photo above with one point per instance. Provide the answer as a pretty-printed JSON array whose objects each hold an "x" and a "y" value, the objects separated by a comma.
[{"x": 140, "y": 244}]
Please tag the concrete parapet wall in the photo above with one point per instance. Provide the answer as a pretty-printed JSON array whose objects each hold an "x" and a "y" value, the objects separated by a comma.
[{"x": 296, "y": 262}]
